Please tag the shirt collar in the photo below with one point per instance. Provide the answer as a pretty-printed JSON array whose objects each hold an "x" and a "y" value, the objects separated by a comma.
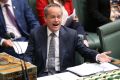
[{"x": 49, "y": 32}]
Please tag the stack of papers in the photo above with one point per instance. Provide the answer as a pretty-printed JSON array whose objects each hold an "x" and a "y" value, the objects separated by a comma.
[
  {"x": 91, "y": 68},
  {"x": 81, "y": 70},
  {"x": 20, "y": 47},
  {"x": 60, "y": 76}
]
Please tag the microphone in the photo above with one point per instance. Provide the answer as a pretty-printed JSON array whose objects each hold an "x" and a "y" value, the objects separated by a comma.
[
  {"x": 23, "y": 64},
  {"x": 12, "y": 35}
]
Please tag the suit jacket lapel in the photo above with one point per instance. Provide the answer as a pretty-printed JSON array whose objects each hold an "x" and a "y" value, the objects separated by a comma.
[
  {"x": 17, "y": 12},
  {"x": 62, "y": 39},
  {"x": 62, "y": 47},
  {"x": 44, "y": 43},
  {"x": 15, "y": 8},
  {"x": 15, "y": 5}
]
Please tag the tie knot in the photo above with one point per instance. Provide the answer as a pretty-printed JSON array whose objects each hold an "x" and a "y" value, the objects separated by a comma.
[{"x": 52, "y": 34}]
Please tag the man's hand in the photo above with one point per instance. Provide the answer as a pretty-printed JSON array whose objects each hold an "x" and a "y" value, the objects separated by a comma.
[
  {"x": 7, "y": 43},
  {"x": 86, "y": 43},
  {"x": 103, "y": 57}
]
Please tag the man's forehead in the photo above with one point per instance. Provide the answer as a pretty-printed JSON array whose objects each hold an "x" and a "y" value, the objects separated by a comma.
[
  {"x": 55, "y": 7},
  {"x": 54, "y": 10}
]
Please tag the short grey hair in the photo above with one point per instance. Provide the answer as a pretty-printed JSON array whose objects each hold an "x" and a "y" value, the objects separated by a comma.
[{"x": 51, "y": 5}]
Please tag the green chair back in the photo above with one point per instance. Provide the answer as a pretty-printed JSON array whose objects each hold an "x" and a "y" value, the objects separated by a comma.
[
  {"x": 109, "y": 35},
  {"x": 93, "y": 40}
]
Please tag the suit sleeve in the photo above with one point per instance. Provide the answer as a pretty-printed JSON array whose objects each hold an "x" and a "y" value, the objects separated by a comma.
[
  {"x": 86, "y": 52},
  {"x": 29, "y": 16},
  {"x": 28, "y": 56}
]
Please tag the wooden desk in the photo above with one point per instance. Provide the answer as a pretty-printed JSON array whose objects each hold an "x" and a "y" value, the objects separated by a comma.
[
  {"x": 116, "y": 62},
  {"x": 10, "y": 68}
]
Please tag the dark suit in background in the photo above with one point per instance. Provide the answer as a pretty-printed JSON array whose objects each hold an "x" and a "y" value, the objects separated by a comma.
[
  {"x": 68, "y": 44},
  {"x": 98, "y": 12},
  {"x": 25, "y": 21}
]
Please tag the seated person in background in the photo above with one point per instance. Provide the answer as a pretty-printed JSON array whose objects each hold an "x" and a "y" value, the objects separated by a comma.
[
  {"x": 69, "y": 18},
  {"x": 98, "y": 12},
  {"x": 16, "y": 17},
  {"x": 52, "y": 48}
]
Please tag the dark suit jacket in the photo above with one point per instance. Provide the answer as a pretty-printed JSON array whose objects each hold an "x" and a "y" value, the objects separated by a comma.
[
  {"x": 98, "y": 12},
  {"x": 68, "y": 44},
  {"x": 24, "y": 16}
]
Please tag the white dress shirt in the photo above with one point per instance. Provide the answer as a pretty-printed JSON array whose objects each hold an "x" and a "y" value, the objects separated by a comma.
[{"x": 57, "y": 61}]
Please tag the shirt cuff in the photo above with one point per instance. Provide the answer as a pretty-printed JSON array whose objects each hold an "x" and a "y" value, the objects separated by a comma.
[
  {"x": 97, "y": 58},
  {"x": 1, "y": 42}
]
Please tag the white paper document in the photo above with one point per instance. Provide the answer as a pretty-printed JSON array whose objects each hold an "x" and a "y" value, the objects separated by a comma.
[
  {"x": 67, "y": 76},
  {"x": 91, "y": 68},
  {"x": 52, "y": 77},
  {"x": 60, "y": 76},
  {"x": 20, "y": 47}
]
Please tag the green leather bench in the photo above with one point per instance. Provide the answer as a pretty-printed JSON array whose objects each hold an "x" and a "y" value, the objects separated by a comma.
[{"x": 110, "y": 38}]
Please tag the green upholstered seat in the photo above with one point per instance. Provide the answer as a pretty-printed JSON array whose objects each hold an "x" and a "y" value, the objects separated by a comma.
[
  {"x": 109, "y": 35},
  {"x": 93, "y": 40}
]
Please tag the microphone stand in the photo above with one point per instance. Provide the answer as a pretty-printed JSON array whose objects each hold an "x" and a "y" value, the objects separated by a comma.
[
  {"x": 24, "y": 65},
  {"x": 23, "y": 76}
]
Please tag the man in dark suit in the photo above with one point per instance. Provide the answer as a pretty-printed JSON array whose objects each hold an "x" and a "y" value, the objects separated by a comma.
[
  {"x": 98, "y": 12},
  {"x": 25, "y": 21},
  {"x": 66, "y": 43}
]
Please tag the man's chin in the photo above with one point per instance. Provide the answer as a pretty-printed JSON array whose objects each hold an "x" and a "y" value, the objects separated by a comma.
[{"x": 55, "y": 29}]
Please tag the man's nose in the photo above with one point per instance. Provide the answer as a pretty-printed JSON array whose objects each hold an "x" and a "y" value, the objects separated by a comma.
[{"x": 56, "y": 19}]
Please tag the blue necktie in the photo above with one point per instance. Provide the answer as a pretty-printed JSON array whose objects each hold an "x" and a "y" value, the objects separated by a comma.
[
  {"x": 10, "y": 15},
  {"x": 51, "y": 55}
]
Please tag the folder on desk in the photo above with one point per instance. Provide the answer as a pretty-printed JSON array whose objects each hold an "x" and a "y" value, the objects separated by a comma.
[{"x": 91, "y": 68}]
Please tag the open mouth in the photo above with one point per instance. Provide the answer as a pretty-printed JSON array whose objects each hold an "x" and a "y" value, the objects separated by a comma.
[{"x": 55, "y": 24}]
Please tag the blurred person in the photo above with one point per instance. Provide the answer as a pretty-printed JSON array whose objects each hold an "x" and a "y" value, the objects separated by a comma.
[
  {"x": 98, "y": 12},
  {"x": 16, "y": 18}
]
